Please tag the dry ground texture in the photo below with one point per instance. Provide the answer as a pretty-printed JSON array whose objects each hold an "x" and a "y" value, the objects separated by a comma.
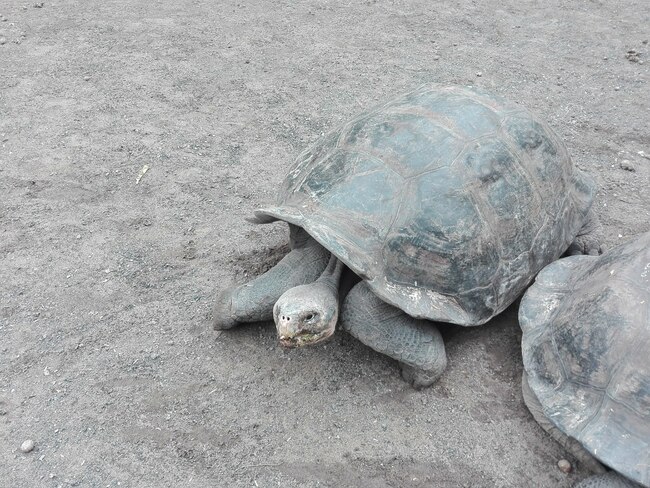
[{"x": 107, "y": 358}]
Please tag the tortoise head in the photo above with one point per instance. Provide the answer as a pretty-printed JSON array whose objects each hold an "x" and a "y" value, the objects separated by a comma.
[{"x": 306, "y": 314}]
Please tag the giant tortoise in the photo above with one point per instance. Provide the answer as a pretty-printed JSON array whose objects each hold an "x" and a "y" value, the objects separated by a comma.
[
  {"x": 586, "y": 351},
  {"x": 445, "y": 202}
]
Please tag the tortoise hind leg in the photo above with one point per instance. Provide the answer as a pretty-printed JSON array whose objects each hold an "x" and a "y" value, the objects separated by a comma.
[
  {"x": 416, "y": 344},
  {"x": 607, "y": 480},
  {"x": 569, "y": 443},
  {"x": 587, "y": 241},
  {"x": 253, "y": 301}
]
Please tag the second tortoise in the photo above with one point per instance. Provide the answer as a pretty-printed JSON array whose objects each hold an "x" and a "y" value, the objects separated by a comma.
[{"x": 585, "y": 347}]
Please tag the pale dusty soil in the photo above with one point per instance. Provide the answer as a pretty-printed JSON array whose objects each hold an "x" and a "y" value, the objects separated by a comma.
[{"x": 107, "y": 359}]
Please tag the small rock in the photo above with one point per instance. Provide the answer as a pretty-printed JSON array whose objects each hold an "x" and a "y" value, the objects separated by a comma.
[
  {"x": 436, "y": 58},
  {"x": 39, "y": 5},
  {"x": 632, "y": 56},
  {"x": 2, "y": 40},
  {"x": 479, "y": 74},
  {"x": 627, "y": 165},
  {"x": 564, "y": 465},
  {"x": 27, "y": 446},
  {"x": 86, "y": 78},
  {"x": 617, "y": 88}
]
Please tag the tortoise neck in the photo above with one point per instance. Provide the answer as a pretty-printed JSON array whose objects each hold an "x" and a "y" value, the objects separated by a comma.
[{"x": 332, "y": 274}]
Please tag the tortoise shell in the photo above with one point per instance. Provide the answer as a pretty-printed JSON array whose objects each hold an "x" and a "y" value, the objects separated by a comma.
[
  {"x": 446, "y": 200},
  {"x": 586, "y": 349}
]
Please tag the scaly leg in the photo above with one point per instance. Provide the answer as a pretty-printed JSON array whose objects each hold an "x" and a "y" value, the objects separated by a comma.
[
  {"x": 607, "y": 480},
  {"x": 416, "y": 344},
  {"x": 587, "y": 241},
  {"x": 253, "y": 301}
]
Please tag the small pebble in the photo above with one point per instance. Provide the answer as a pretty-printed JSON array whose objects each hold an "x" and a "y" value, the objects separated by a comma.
[
  {"x": 2, "y": 40},
  {"x": 617, "y": 88},
  {"x": 436, "y": 58},
  {"x": 86, "y": 78},
  {"x": 479, "y": 74},
  {"x": 564, "y": 465},
  {"x": 627, "y": 165},
  {"x": 27, "y": 446}
]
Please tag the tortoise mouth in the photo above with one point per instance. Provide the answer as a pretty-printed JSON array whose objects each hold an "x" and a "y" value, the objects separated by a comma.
[{"x": 304, "y": 338}]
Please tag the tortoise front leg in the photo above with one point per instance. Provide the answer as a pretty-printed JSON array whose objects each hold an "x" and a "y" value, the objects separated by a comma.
[
  {"x": 587, "y": 241},
  {"x": 416, "y": 344},
  {"x": 253, "y": 301}
]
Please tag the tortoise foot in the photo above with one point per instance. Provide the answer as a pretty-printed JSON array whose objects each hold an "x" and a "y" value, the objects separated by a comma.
[
  {"x": 587, "y": 241},
  {"x": 420, "y": 378},
  {"x": 222, "y": 312}
]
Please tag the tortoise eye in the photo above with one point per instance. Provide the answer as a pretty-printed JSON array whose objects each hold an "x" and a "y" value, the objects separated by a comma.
[{"x": 309, "y": 317}]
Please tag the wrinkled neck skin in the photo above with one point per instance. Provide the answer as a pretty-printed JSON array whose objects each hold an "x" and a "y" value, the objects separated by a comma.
[
  {"x": 331, "y": 277},
  {"x": 307, "y": 314}
]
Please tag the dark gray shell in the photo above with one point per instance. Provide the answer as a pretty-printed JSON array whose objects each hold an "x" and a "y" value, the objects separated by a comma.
[
  {"x": 586, "y": 349},
  {"x": 446, "y": 201}
]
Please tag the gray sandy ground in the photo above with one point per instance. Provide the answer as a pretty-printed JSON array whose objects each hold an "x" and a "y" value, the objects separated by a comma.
[{"x": 107, "y": 360}]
